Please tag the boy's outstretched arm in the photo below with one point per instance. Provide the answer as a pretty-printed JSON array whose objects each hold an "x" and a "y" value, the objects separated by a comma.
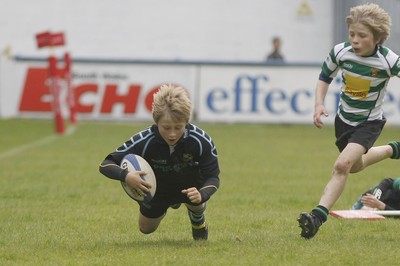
[{"x": 319, "y": 108}]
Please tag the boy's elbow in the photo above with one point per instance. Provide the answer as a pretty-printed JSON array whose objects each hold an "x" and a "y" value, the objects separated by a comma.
[{"x": 102, "y": 167}]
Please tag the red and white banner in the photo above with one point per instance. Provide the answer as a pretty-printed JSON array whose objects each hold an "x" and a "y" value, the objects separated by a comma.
[
  {"x": 48, "y": 39},
  {"x": 100, "y": 91}
]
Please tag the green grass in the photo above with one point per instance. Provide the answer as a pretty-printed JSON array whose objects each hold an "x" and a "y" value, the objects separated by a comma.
[{"x": 57, "y": 209}]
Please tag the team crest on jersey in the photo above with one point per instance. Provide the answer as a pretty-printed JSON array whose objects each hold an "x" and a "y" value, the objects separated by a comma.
[
  {"x": 374, "y": 72},
  {"x": 187, "y": 157}
]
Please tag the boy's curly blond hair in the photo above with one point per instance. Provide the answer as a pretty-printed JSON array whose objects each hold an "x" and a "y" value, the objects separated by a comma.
[
  {"x": 174, "y": 101},
  {"x": 373, "y": 17}
]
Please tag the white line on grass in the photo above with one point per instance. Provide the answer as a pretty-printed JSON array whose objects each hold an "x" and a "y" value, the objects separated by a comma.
[{"x": 38, "y": 143}]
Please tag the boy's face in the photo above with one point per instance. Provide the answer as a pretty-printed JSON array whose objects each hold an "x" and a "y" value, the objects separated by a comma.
[
  {"x": 170, "y": 130},
  {"x": 362, "y": 39}
]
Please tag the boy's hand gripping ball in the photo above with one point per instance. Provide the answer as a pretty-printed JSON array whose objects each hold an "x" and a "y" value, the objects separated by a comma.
[{"x": 133, "y": 162}]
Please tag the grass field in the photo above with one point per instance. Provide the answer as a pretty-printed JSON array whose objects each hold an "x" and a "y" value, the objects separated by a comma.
[{"x": 57, "y": 209}]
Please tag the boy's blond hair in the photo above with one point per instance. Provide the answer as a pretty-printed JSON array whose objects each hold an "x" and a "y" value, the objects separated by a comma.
[
  {"x": 373, "y": 17},
  {"x": 174, "y": 101}
]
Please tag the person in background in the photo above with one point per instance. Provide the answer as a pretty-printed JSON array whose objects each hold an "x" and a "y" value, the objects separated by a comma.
[
  {"x": 182, "y": 156},
  {"x": 276, "y": 54},
  {"x": 366, "y": 68},
  {"x": 384, "y": 196}
]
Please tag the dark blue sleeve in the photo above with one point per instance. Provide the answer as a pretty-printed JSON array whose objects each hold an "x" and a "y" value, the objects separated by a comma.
[
  {"x": 325, "y": 78},
  {"x": 210, "y": 170},
  {"x": 112, "y": 170}
]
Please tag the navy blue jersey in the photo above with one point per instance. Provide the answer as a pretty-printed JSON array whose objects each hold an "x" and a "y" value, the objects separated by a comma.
[
  {"x": 386, "y": 192},
  {"x": 192, "y": 162}
]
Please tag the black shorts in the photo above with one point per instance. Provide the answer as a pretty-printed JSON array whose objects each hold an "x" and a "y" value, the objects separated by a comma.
[
  {"x": 364, "y": 134},
  {"x": 153, "y": 210},
  {"x": 160, "y": 206}
]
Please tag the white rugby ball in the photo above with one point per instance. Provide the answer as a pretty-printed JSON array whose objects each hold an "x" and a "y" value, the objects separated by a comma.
[{"x": 133, "y": 162}]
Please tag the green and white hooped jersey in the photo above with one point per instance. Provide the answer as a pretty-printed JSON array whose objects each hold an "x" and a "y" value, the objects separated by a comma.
[{"x": 364, "y": 81}]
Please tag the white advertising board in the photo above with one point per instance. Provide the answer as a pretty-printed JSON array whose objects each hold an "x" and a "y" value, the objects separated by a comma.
[
  {"x": 230, "y": 93},
  {"x": 102, "y": 91},
  {"x": 280, "y": 94}
]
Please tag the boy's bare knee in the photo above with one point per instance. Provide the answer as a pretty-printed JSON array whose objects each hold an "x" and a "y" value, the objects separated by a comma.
[
  {"x": 342, "y": 167},
  {"x": 356, "y": 169},
  {"x": 147, "y": 231}
]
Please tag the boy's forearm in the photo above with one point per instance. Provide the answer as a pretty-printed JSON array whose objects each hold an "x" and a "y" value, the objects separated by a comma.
[{"x": 320, "y": 92}]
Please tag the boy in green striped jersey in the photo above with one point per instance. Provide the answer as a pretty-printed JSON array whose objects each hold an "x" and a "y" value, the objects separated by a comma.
[{"x": 366, "y": 67}]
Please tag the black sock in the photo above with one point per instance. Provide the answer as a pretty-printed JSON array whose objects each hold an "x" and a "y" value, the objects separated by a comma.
[
  {"x": 321, "y": 212},
  {"x": 196, "y": 218}
]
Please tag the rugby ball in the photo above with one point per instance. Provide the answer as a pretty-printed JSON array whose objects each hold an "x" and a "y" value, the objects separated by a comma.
[{"x": 133, "y": 162}]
